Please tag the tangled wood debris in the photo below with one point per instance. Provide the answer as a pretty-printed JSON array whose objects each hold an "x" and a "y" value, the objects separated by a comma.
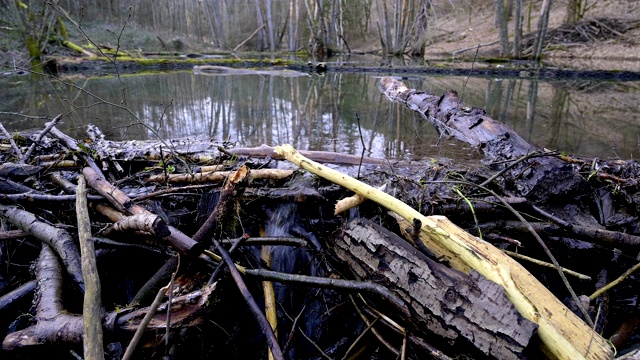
[
  {"x": 168, "y": 221},
  {"x": 582, "y": 33}
]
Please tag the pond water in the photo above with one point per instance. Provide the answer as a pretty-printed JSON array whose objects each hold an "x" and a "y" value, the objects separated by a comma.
[{"x": 342, "y": 112}]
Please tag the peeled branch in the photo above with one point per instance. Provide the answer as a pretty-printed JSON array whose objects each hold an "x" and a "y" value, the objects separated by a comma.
[{"x": 563, "y": 334}]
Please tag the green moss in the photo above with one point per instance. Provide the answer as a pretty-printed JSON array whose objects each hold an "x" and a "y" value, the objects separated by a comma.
[
  {"x": 62, "y": 30},
  {"x": 198, "y": 61},
  {"x": 32, "y": 48},
  {"x": 72, "y": 46}
]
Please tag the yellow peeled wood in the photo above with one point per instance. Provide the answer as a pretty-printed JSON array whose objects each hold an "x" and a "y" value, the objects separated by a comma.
[
  {"x": 269, "y": 296},
  {"x": 564, "y": 335}
]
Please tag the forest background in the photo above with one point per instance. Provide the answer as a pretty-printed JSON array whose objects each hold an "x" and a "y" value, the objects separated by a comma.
[{"x": 593, "y": 31}]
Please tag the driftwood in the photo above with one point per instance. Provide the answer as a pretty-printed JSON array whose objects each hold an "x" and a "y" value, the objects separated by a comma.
[
  {"x": 445, "y": 301},
  {"x": 535, "y": 176},
  {"x": 50, "y": 318},
  {"x": 92, "y": 305},
  {"x": 319, "y": 156},
  {"x": 562, "y": 332},
  {"x": 55, "y": 326}
]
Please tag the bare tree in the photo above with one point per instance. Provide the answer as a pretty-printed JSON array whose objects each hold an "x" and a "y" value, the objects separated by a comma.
[
  {"x": 272, "y": 40},
  {"x": 36, "y": 21},
  {"x": 501, "y": 22},
  {"x": 420, "y": 34},
  {"x": 543, "y": 22},
  {"x": 294, "y": 16},
  {"x": 517, "y": 30}
]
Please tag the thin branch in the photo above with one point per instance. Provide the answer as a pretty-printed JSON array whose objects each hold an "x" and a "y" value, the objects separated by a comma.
[
  {"x": 145, "y": 322},
  {"x": 14, "y": 146},
  {"x": 615, "y": 282},
  {"x": 253, "y": 306}
]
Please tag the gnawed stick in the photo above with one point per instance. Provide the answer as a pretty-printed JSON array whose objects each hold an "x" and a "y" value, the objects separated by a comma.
[
  {"x": 218, "y": 176},
  {"x": 562, "y": 332},
  {"x": 269, "y": 295},
  {"x": 92, "y": 306}
]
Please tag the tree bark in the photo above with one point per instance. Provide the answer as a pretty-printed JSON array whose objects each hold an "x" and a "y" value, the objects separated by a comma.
[
  {"x": 542, "y": 180},
  {"x": 447, "y": 302},
  {"x": 501, "y": 22},
  {"x": 92, "y": 305},
  {"x": 542, "y": 29},
  {"x": 562, "y": 333}
]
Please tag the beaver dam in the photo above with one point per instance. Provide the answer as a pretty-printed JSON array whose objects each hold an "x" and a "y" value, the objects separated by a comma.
[{"x": 187, "y": 248}]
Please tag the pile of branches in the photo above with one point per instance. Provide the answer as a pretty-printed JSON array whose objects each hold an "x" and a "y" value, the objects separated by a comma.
[
  {"x": 583, "y": 32},
  {"x": 176, "y": 248}
]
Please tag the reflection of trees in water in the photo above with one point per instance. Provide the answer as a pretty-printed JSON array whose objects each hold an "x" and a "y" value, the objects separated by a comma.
[
  {"x": 319, "y": 112},
  {"x": 558, "y": 124}
]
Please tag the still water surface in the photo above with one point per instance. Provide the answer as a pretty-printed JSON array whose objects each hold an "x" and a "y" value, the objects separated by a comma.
[{"x": 321, "y": 112}]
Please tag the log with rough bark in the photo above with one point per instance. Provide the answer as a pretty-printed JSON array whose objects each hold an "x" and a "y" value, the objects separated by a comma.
[
  {"x": 563, "y": 334},
  {"x": 538, "y": 177},
  {"x": 444, "y": 301}
]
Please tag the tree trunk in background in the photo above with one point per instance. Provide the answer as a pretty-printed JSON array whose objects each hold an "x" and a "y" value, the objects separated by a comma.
[
  {"x": 261, "y": 34},
  {"x": 332, "y": 24},
  {"x": 216, "y": 20},
  {"x": 420, "y": 25},
  {"x": 572, "y": 11},
  {"x": 399, "y": 10},
  {"x": 294, "y": 13},
  {"x": 388, "y": 45},
  {"x": 335, "y": 30},
  {"x": 542, "y": 29},
  {"x": 207, "y": 9},
  {"x": 272, "y": 39},
  {"x": 517, "y": 31},
  {"x": 35, "y": 21},
  {"x": 501, "y": 22}
]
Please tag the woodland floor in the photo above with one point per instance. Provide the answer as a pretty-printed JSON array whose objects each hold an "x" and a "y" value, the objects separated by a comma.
[{"x": 464, "y": 29}]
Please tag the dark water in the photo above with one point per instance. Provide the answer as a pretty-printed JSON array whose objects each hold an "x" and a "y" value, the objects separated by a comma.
[{"x": 320, "y": 112}]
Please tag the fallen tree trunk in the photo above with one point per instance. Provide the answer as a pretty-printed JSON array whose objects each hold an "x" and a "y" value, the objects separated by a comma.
[
  {"x": 564, "y": 335},
  {"x": 527, "y": 173},
  {"x": 444, "y": 301}
]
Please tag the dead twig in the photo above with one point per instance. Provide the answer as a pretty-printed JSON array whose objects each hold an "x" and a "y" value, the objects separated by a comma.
[
  {"x": 48, "y": 127},
  {"x": 546, "y": 264},
  {"x": 14, "y": 146},
  {"x": 255, "y": 309},
  {"x": 145, "y": 322},
  {"x": 330, "y": 283},
  {"x": 615, "y": 282}
]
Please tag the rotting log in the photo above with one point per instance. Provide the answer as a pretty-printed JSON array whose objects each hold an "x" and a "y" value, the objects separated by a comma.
[
  {"x": 563, "y": 334},
  {"x": 447, "y": 302},
  {"x": 539, "y": 178},
  {"x": 217, "y": 70}
]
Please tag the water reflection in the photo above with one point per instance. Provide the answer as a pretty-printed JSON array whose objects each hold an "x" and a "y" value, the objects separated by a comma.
[{"x": 329, "y": 112}]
